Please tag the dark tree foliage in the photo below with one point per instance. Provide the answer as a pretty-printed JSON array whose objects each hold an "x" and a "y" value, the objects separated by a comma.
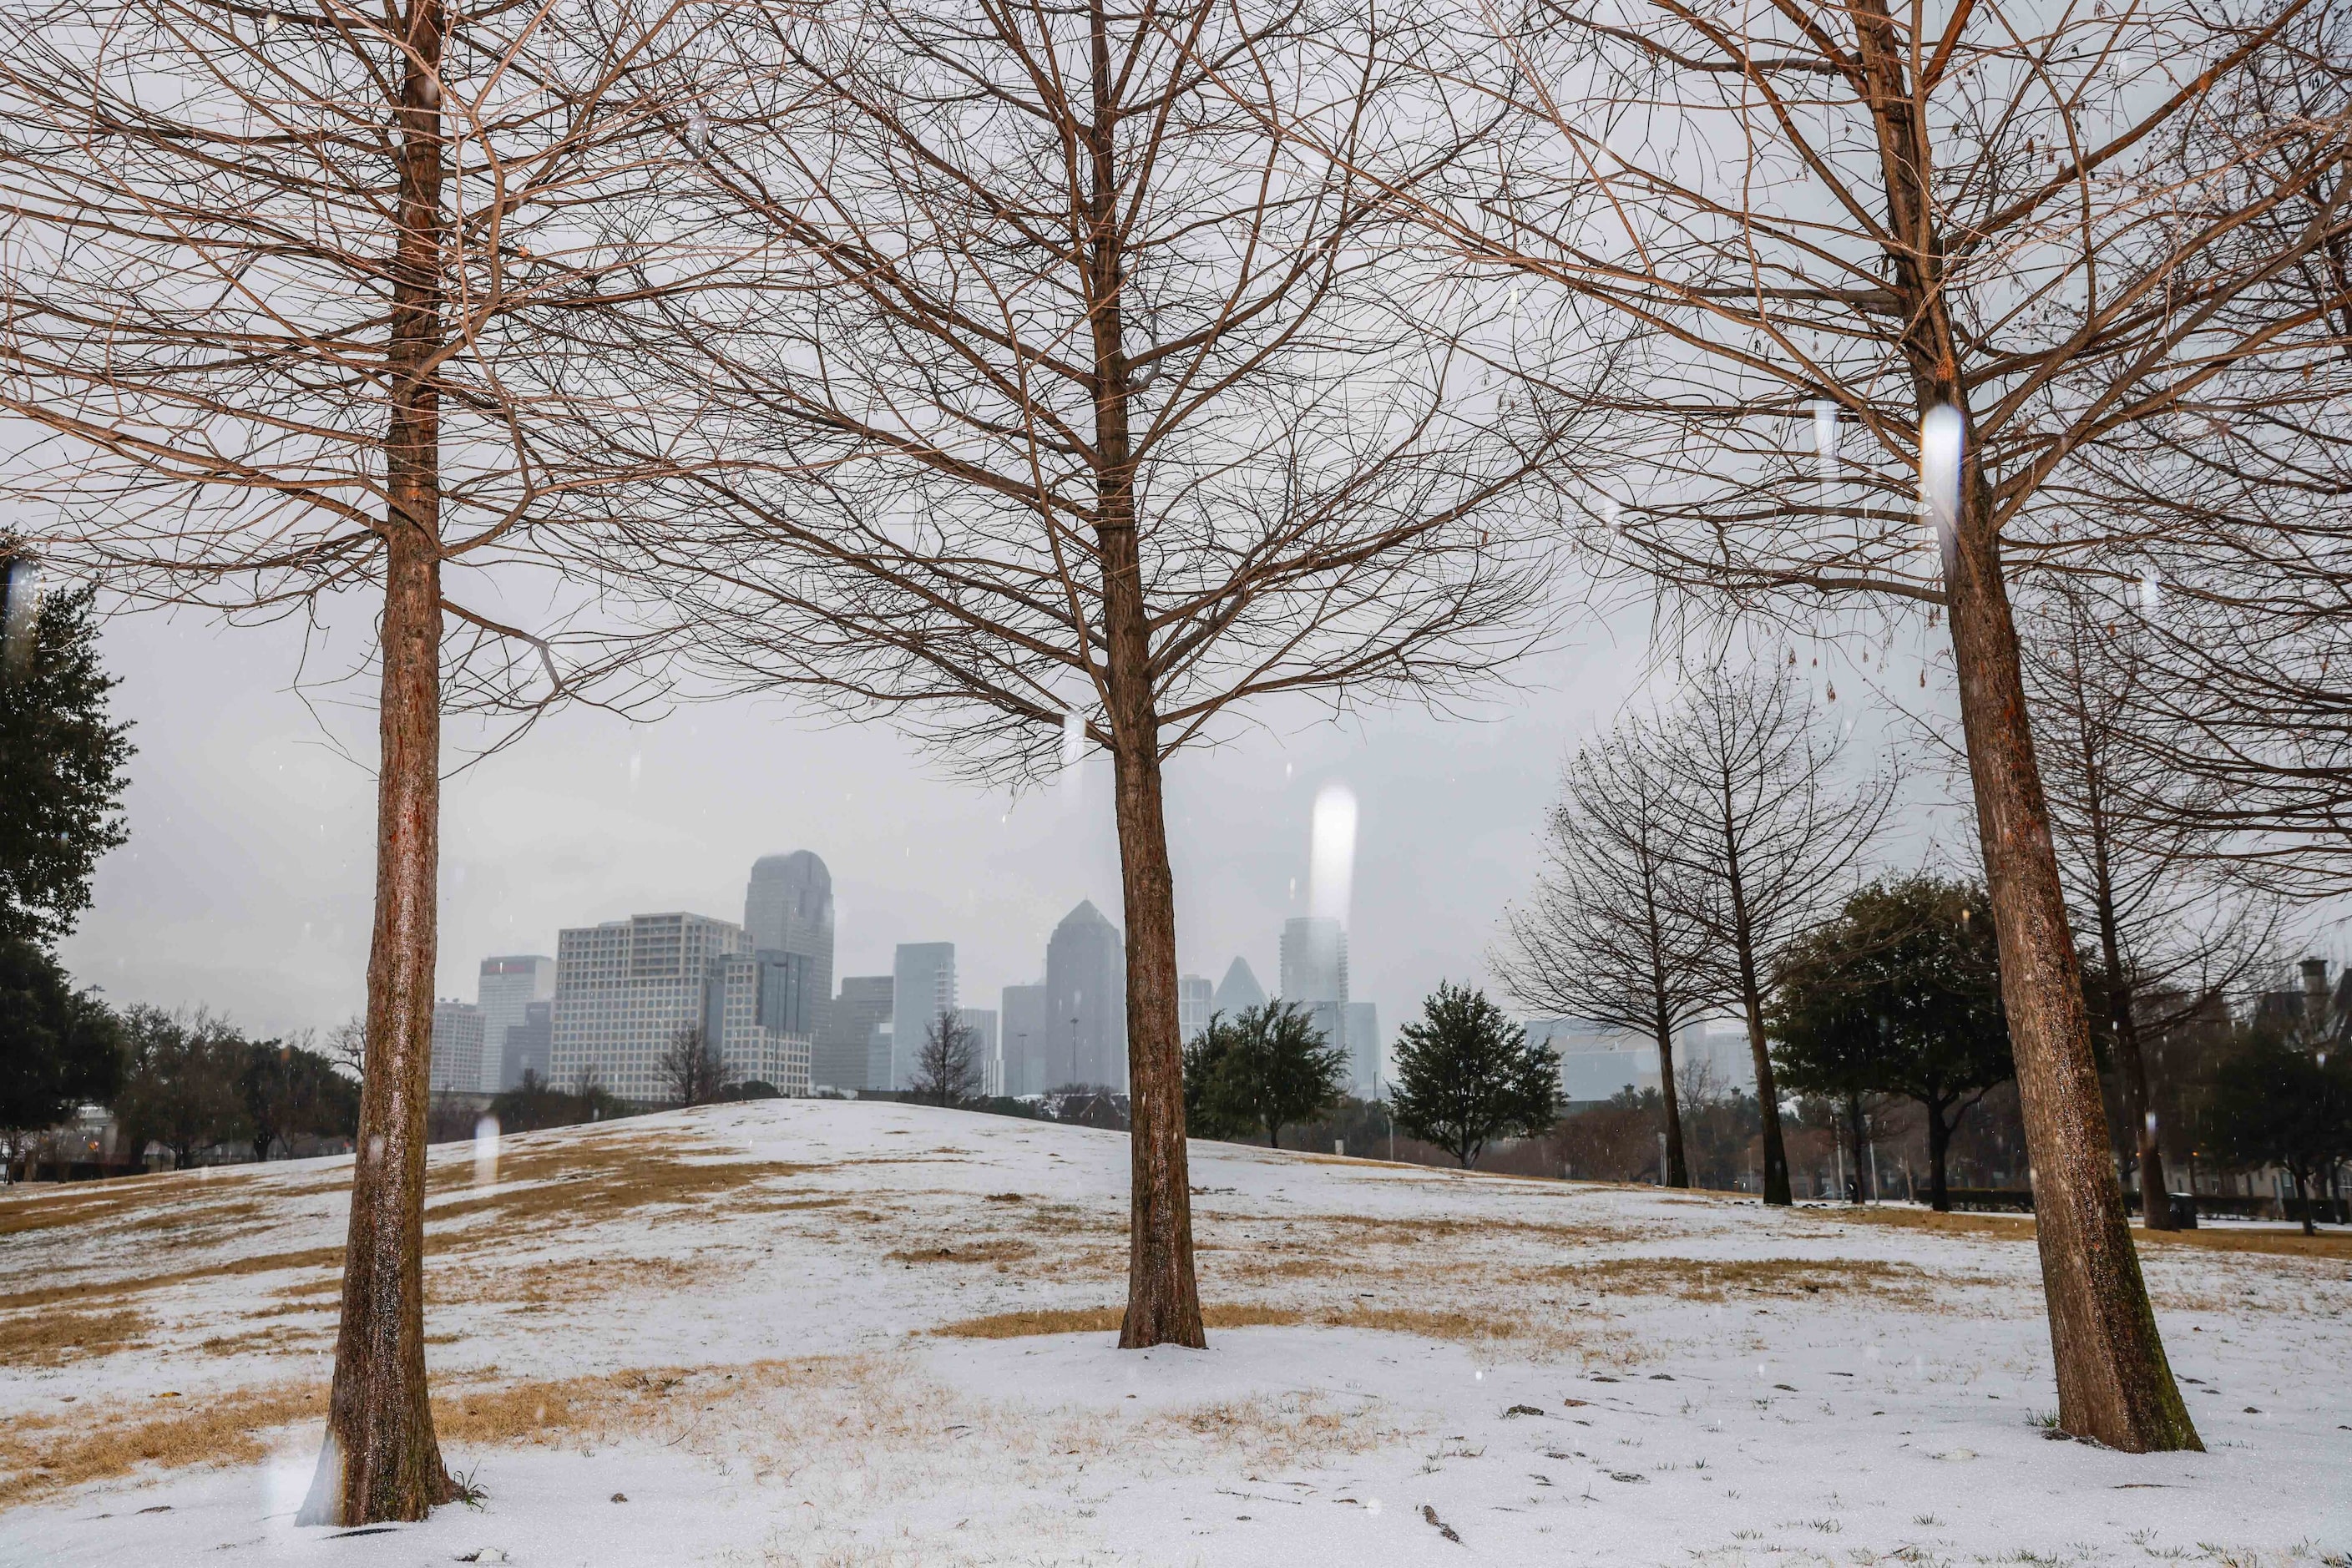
[
  {"x": 1900, "y": 995},
  {"x": 1264, "y": 1070},
  {"x": 534, "y": 1104},
  {"x": 61, "y": 764},
  {"x": 690, "y": 1069},
  {"x": 2271, "y": 1102},
  {"x": 180, "y": 1082},
  {"x": 1466, "y": 1075},
  {"x": 946, "y": 1067},
  {"x": 291, "y": 1091},
  {"x": 59, "y": 1047}
]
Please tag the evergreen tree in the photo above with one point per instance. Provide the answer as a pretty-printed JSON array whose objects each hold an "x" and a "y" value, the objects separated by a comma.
[
  {"x": 2271, "y": 1102},
  {"x": 59, "y": 1047},
  {"x": 1899, "y": 994},
  {"x": 1267, "y": 1070},
  {"x": 61, "y": 761},
  {"x": 291, "y": 1090},
  {"x": 1466, "y": 1075},
  {"x": 180, "y": 1086}
]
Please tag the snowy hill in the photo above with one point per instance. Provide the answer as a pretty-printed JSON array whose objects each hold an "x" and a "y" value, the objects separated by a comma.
[{"x": 816, "y": 1332}]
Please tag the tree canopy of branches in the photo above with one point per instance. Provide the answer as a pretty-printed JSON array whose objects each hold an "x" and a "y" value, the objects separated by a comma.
[
  {"x": 1845, "y": 254},
  {"x": 1899, "y": 994},
  {"x": 291, "y": 1091},
  {"x": 690, "y": 1069},
  {"x": 1268, "y": 1068},
  {"x": 1069, "y": 406},
  {"x": 534, "y": 1104},
  {"x": 947, "y": 1064},
  {"x": 180, "y": 1082},
  {"x": 1610, "y": 933},
  {"x": 1765, "y": 832},
  {"x": 2271, "y": 1101},
  {"x": 1466, "y": 1075},
  {"x": 60, "y": 1047},
  {"x": 2176, "y": 916},
  {"x": 61, "y": 761},
  {"x": 288, "y": 292}
]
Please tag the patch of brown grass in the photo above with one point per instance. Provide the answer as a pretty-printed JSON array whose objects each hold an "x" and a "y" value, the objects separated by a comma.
[
  {"x": 2279, "y": 1243},
  {"x": 45, "y": 1339},
  {"x": 1105, "y": 1321},
  {"x": 242, "y": 1211},
  {"x": 1704, "y": 1280},
  {"x": 46, "y": 1207},
  {"x": 1004, "y": 1250},
  {"x": 43, "y": 1456},
  {"x": 95, "y": 1291},
  {"x": 563, "y": 1188},
  {"x": 481, "y": 1279}
]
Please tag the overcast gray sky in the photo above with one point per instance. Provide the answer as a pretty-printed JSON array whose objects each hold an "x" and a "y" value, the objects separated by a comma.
[{"x": 246, "y": 884}]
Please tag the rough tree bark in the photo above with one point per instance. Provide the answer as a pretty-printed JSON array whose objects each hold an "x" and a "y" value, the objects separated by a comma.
[
  {"x": 1777, "y": 1190},
  {"x": 382, "y": 1460},
  {"x": 1678, "y": 1167}
]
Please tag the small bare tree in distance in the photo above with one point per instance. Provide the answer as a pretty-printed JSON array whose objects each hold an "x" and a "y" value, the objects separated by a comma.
[
  {"x": 946, "y": 1067},
  {"x": 690, "y": 1068},
  {"x": 1070, "y": 408},
  {"x": 1608, "y": 935}
]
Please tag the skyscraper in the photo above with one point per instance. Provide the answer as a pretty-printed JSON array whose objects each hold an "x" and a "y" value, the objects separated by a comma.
[
  {"x": 456, "y": 1047},
  {"x": 1195, "y": 1000},
  {"x": 529, "y": 1045},
  {"x": 923, "y": 986},
  {"x": 1086, "y": 1002},
  {"x": 1361, "y": 1023},
  {"x": 506, "y": 987},
  {"x": 850, "y": 1022},
  {"x": 982, "y": 1021},
  {"x": 623, "y": 989},
  {"x": 1238, "y": 990},
  {"x": 754, "y": 1013},
  {"x": 1021, "y": 1031},
  {"x": 1314, "y": 959},
  {"x": 788, "y": 908}
]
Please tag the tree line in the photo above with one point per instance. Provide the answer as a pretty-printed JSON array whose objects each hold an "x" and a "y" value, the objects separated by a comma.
[{"x": 1059, "y": 378}]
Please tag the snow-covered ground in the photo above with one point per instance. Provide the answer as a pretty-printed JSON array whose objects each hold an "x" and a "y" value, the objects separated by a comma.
[{"x": 812, "y": 1331}]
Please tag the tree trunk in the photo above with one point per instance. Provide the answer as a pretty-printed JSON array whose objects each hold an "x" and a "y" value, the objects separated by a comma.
[
  {"x": 1853, "y": 1133},
  {"x": 1767, "y": 1099},
  {"x": 1940, "y": 1145},
  {"x": 1163, "y": 1298},
  {"x": 382, "y": 1460},
  {"x": 2113, "y": 1384},
  {"x": 1677, "y": 1171},
  {"x": 2302, "y": 1194},
  {"x": 2131, "y": 1063}
]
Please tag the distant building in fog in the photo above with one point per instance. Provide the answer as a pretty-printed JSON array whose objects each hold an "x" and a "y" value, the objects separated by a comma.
[
  {"x": 923, "y": 986},
  {"x": 788, "y": 909},
  {"x": 844, "y": 1044},
  {"x": 456, "y": 1047},
  {"x": 1086, "y": 1002},
  {"x": 982, "y": 1021},
  {"x": 1195, "y": 1000},
  {"x": 1597, "y": 1061},
  {"x": 506, "y": 987},
  {"x": 1021, "y": 1036},
  {"x": 529, "y": 1045},
  {"x": 1313, "y": 961},
  {"x": 1360, "y": 1026},
  {"x": 623, "y": 991},
  {"x": 1238, "y": 990},
  {"x": 755, "y": 1011}
]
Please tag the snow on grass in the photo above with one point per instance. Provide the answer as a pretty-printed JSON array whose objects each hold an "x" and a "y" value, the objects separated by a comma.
[{"x": 812, "y": 1331}]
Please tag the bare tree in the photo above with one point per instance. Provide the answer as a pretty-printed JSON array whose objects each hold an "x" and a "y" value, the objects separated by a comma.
[
  {"x": 1765, "y": 837},
  {"x": 2178, "y": 918},
  {"x": 1070, "y": 407},
  {"x": 1608, "y": 934},
  {"x": 1856, "y": 254},
  {"x": 947, "y": 1067},
  {"x": 690, "y": 1068},
  {"x": 286, "y": 293}
]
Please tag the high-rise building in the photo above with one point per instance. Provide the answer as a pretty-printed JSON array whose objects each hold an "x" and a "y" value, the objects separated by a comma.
[
  {"x": 456, "y": 1047},
  {"x": 1086, "y": 1002},
  {"x": 1023, "y": 1033},
  {"x": 528, "y": 1046},
  {"x": 1238, "y": 991},
  {"x": 755, "y": 1013},
  {"x": 1360, "y": 1023},
  {"x": 623, "y": 991},
  {"x": 1314, "y": 959},
  {"x": 506, "y": 987},
  {"x": 922, "y": 987},
  {"x": 844, "y": 1042},
  {"x": 1596, "y": 1060},
  {"x": 982, "y": 1021},
  {"x": 1195, "y": 1000},
  {"x": 788, "y": 908}
]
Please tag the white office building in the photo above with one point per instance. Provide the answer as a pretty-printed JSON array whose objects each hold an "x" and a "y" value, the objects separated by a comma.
[
  {"x": 982, "y": 1021},
  {"x": 456, "y": 1047},
  {"x": 623, "y": 991},
  {"x": 505, "y": 992},
  {"x": 1196, "y": 1001},
  {"x": 755, "y": 1011}
]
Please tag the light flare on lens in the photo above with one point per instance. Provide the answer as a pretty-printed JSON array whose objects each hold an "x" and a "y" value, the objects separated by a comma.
[
  {"x": 1332, "y": 861},
  {"x": 486, "y": 1151},
  {"x": 1941, "y": 438},
  {"x": 1074, "y": 752},
  {"x": 20, "y": 617}
]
